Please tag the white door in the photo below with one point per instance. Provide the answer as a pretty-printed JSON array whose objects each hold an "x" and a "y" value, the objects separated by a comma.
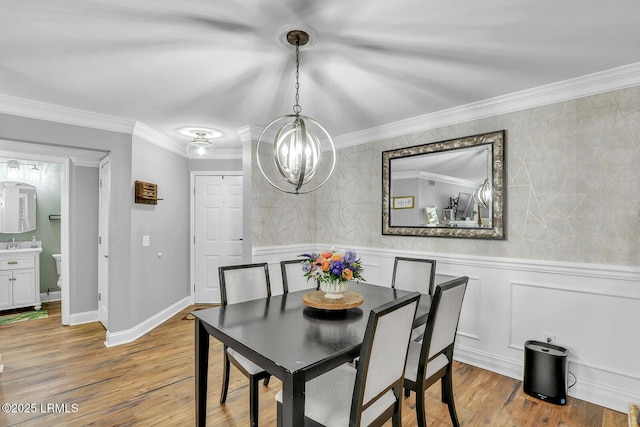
[
  {"x": 218, "y": 231},
  {"x": 103, "y": 242}
]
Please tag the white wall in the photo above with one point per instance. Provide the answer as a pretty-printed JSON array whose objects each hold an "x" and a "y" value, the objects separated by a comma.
[{"x": 160, "y": 271}]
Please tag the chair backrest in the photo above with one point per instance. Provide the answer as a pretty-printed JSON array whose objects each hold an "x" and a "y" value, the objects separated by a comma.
[
  {"x": 383, "y": 353},
  {"x": 293, "y": 278},
  {"x": 246, "y": 282},
  {"x": 442, "y": 322},
  {"x": 414, "y": 274}
]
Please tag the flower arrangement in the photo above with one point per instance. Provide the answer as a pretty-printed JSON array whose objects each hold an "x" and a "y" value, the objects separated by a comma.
[{"x": 332, "y": 266}]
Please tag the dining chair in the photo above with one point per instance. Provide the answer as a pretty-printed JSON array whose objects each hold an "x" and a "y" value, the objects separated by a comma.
[
  {"x": 370, "y": 394},
  {"x": 414, "y": 274},
  {"x": 240, "y": 283},
  {"x": 432, "y": 359},
  {"x": 293, "y": 277}
]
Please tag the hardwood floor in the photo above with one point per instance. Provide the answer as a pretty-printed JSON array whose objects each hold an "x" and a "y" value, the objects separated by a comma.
[{"x": 150, "y": 382}]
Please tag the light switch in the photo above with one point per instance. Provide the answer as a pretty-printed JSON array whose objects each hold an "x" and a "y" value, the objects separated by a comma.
[{"x": 145, "y": 241}]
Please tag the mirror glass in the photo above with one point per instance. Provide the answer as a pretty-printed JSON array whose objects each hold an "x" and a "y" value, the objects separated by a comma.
[
  {"x": 451, "y": 188},
  {"x": 17, "y": 207}
]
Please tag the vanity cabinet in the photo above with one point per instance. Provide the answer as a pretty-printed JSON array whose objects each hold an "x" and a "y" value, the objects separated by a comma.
[{"x": 20, "y": 279}]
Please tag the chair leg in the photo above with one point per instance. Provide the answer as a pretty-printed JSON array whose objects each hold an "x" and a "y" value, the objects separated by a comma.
[
  {"x": 421, "y": 416},
  {"x": 225, "y": 377},
  {"x": 279, "y": 414},
  {"x": 253, "y": 401},
  {"x": 407, "y": 393},
  {"x": 447, "y": 396},
  {"x": 396, "y": 419},
  {"x": 266, "y": 381}
]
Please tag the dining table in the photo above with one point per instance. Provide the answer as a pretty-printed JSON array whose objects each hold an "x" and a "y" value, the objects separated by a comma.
[{"x": 289, "y": 339}]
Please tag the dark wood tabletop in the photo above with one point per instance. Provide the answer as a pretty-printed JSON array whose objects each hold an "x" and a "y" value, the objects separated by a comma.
[{"x": 289, "y": 340}]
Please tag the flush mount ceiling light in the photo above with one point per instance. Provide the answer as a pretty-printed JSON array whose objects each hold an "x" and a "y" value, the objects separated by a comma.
[
  {"x": 290, "y": 148},
  {"x": 200, "y": 146}
]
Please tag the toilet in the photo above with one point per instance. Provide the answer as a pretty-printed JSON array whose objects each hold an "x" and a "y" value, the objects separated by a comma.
[{"x": 58, "y": 269}]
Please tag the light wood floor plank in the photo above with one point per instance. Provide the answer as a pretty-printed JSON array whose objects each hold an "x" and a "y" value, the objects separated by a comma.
[{"x": 150, "y": 383}]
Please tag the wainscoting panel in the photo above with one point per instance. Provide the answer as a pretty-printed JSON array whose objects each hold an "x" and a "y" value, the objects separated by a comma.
[{"x": 591, "y": 309}]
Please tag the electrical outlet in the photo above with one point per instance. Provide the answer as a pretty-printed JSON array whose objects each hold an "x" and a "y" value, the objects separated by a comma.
[
  {"x": 145, "y": 241},
  {"x": 549, "y": 339}
]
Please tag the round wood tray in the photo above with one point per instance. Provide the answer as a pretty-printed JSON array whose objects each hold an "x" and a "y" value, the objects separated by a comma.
[{"x": 316, "y": 299}]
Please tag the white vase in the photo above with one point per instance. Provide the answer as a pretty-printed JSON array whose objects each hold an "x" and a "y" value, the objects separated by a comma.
[{"x": 333, "y": 290}]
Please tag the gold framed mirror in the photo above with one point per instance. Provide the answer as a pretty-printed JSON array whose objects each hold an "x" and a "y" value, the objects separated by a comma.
[{"x": 456, "y": 187}]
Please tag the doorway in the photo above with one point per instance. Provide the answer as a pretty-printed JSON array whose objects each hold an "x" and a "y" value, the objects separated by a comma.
[
  {"x": 217, "y": 230},
  {"x": 65, "y": 157}
]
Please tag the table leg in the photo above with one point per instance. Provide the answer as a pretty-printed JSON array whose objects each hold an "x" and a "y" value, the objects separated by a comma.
[
  {"x": 293, "y": 401},
  {"x": 202, "y": 370}
]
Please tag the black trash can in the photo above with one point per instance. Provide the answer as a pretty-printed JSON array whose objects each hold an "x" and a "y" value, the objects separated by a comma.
[{"x": 545, "y": 371}]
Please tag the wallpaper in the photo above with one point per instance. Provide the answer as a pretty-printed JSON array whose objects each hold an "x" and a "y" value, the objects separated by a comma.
[{"x": 573, "y": 188}]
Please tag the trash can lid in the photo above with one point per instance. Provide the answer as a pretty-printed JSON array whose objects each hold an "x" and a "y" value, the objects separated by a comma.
[{"x": 547, "y": 348}]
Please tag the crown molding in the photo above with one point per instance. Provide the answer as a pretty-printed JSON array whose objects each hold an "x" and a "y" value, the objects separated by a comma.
[
  {"x": 249, "y": 133},
  {"x": 56, "y": 113},
  {"x": 431, "y": 176},
  {"x": 590, "y": 84},
  {"x": 160, "y": 139},
  {"x": 87, "y": 163}
]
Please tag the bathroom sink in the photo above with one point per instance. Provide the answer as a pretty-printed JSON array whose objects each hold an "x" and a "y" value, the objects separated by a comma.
[
  {"x": 21, "y": 247},
  {"x": 19, "y": 250}
]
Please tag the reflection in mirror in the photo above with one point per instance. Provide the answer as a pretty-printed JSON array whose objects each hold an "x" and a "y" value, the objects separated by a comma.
[
  {"x": 17, "y": 207},
  {"x": 451, "y": 188}
]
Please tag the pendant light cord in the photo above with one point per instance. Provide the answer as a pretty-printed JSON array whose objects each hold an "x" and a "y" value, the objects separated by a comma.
[{"x": 296, "y": 107}]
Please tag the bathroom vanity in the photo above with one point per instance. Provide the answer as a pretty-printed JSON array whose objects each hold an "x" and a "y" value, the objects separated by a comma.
[{"x": 20, "y": 277}]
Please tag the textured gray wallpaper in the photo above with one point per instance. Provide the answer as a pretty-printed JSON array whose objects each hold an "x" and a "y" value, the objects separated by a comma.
[{"x": 573, "y": 190}]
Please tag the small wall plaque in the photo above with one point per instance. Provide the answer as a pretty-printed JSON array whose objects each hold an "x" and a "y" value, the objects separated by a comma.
[{"x": 146, "y": 193}]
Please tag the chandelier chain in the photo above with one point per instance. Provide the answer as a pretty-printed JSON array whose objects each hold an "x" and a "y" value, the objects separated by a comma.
[{"x": 296, "y": 107}]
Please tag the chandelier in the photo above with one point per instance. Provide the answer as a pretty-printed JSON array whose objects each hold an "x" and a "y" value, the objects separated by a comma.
[{"x": 290, "y": 148}]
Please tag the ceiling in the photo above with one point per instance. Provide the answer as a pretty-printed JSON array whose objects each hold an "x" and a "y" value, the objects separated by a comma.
[{"x": 219, "y": 64}]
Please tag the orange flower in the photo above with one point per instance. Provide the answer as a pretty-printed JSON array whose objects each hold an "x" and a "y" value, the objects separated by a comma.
[
  {"x": 347, "y": 274},
  {"x": 336, "y": 257},
  {"x": 326, "y": 255},
  {"x": 325, "y": 265}
]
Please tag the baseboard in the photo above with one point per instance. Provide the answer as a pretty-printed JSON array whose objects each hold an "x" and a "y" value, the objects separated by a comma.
[
  {"x": 130, "y": 335},
  {"x": 50, "y": 296},
  {"x": 80, "y": 318},
  {"x": 589, "y": 391},
  {"x": 491, "y": 362}
]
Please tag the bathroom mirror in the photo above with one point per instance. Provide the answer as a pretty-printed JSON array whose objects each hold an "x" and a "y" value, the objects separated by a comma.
[
  {"x": 17, "y": 207},
  {"x": 452, "y": 188}
]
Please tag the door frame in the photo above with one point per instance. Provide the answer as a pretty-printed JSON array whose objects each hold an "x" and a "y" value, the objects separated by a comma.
[
  {"x": 104, "y": 214},
  {"x": 192, "y": 225},
  {"x": 65, "y": 184}
]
